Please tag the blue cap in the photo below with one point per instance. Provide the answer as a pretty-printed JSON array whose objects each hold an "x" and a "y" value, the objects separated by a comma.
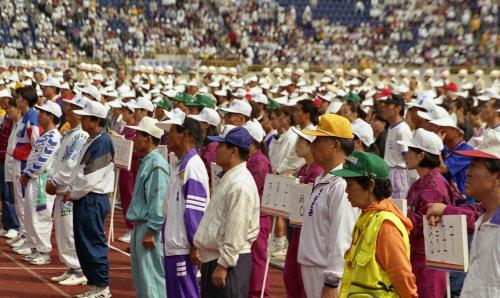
[{"x": 238, "y": 136}]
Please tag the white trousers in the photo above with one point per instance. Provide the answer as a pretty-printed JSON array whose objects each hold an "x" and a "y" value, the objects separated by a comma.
[
  {"x": 19, "y": 198},
  {"x": 63, "y": 220},
  {"x": 38, "y": 223},
  {"x": 313, "y": 279}
]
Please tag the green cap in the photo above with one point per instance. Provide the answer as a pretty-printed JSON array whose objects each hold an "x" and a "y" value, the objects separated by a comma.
[
  {"x": 201, "y": 100},
  {"x": 164, "y": 104},
  {"x": 183, "y": 97},
  {"x": 353, "y": 97},
  {"x": 364, "y": 164},
  {"x": 272, "y": 105}
]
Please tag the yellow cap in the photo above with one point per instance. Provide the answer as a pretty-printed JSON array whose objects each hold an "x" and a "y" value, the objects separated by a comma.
[{"x": 332, "y": 125}]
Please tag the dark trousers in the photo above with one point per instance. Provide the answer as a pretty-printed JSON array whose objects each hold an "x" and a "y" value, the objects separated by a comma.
[
  {"x": 89, "y": 215},
  {"x": 237, "y": 279},
  {"x": 9, "y": 215}
]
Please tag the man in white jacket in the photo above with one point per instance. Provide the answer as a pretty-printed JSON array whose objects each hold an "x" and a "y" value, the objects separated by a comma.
[
  {"x": 58, "y": 177},
  {"x": 329, "y": 218}
]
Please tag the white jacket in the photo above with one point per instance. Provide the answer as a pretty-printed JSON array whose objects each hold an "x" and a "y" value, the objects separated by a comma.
[
  {"x": 327, "y": 227},
  {"x": 282, "y": 153}
]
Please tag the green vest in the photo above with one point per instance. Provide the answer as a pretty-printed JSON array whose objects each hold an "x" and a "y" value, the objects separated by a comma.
[{"x": 363, "y": 276}]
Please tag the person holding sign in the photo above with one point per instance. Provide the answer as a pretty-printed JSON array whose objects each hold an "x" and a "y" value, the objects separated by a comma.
[
  {"x": 91, "y": 183},
  {"x": 185, "y": 203},
  {"x": 378, "y": 261},
  {"x": 483, "y": 184},
  {"x": 145, "y": 211},
  {"x": 231, "y": 222},
  {"x": 292, "y": 275},
  {"x": 431, "y": 187},
  {"x": 329, "y": 218}
]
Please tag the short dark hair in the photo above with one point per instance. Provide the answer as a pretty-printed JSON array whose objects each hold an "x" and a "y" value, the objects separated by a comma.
[
  {"x": 493, "y": 165},
  {"x": 12, "y": 102},
  {"x": 102, "y": 121},
  {"x": 308, "y": 107},
  {"x": 211, "y": 131},
  {"x": 243, "y": 153},
  {"x": 430, "y": 160},
  {"x": 28, "y": 93},
  {"x": 288, "y": 111},
  {"x": 154, "y": 140},
  {"x": 382, "y": 189},
  {"x": 193, "y": 129},
  {"x": 347, "y": 145}
]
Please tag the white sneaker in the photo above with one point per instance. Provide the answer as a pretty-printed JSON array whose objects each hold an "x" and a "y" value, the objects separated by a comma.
[
  {"x": 3, "y": 232},
  {"x": 126, "y": 238},
  {"x": 61, "y": 277},
  {"x": 18, "y": 242},
  {"x": 31, "y": 256},
  {"x": 23, "y": 250},
  {"x": 74, "y": 280},
  {"x": 41, "y": 259},
  {"x": 11, "y": 234},
  {"x": 279, "y": 254},
  {"x": 86, "y": 294},
  {"x": 96, "y": 292},
  {"x": 10, "y": 241}
]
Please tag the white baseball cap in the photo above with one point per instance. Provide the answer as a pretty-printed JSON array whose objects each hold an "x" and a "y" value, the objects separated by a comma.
[
  {"x": 222, "y": 92},
  {"x": 425, "y": 100},
  {"x": 261, "y": 98},
  {"x": 239, "y": 106},
  {"x": 5, "y": 93},
  {"x": 487, "y": 94},
  {"x": 51, "y": 107},
  {"x": 79, "y": 100},
  {"x": 334, "y": 106},
  {"x": 175, "y": 116},
  {"x": 308, "y": 138},
  {"x": 207, "y": 115},
  {"x": 51, "y": 82},
  {"x": 115, "y": 104},
  {"x": 255, "y": 130},
  {"x": 92, "y": 91},
  {"x": 488, "y": 148},
  {"x": 445, "y": 122},
  {"x": 93, "y": 108},
  {"x": 148, "y": 125},
  {"x": 435, "y": 112},
  {"x": 424, "y": 140},
  {"x": 329, "y": 96},
  {"x": 142, "y": 103},
  {"x": 363, "y": 131}
]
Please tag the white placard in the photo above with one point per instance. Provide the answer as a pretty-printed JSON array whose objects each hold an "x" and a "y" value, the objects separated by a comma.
[
  {"x": 275, "y": 196},
  {"x": 215, "y": 170},
  {"x": 402, "y": 204},
  {"x": 172, "y": 159},
  {"x": 446, "y": 245},
  {"x": 163, "y": 150},
  {"x": 299, "y": 194},
  {"x": 123, "y": 152}
]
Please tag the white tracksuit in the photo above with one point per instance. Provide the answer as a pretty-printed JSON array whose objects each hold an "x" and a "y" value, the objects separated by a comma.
[
  {"x": 59, "y": 174},
  {"x": 38, "y": 212}
]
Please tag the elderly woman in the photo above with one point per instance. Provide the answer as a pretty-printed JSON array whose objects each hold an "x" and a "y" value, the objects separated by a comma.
[{"x": 378, "y": 262}]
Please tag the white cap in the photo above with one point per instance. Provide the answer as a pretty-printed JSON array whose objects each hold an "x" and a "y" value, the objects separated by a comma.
[
  {"x": 261, "y": 98},
  {"x": 92, "y": 91},
  {"x": 79, "y": 100},
  {"x": 363, "y": 131},
  {"x": 285, "y": 83},
  {"x": 367, "y": 72},
  {"x": 51, "y": 82},
  {"x": 142, "y": 103},
  {"x": 487, "y": 94},
  {"x": 425, "y": 100},
  {"x": 445, "y": 122},
  {"x": 93, "y": 108},
  {"x": 463, "y": 72},
  {"x": 467, "y": 86},
  {"x": 308, "y": 138},
  {"x": 148, "y": 125},
  {"x": 479, "y": 73},
  {"x": 426, "y": 141},
  {"x": 222, "y": 92},
  {"x": 5, "y": 93},
  {"x": 339, "y": 72},
  {"x": 207, "y": 115},
  {"x": 98, "y": 77},
  {"x": 238, "y": 106},
  {"x": 51, "y": 107},
  {"x": 329, "y": 96},
  {"x": 255, "y": 130},
  {"x": 115, "y": 104},
  {"x": 334, "y": 106},
  {"x": 433, "y": 113},
  {"x": 176, "y": 116}
]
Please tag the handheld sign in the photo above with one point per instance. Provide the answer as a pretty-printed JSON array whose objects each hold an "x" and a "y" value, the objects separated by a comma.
[
  {"x": 446, "y": 245},
  {"x": 215, "y": 170},
  {"x": 276, "y": 195},
  {"x": 299, "y": 194},
  {"x": 402, "y": 204},
  {"x": 123, "y": 152}
]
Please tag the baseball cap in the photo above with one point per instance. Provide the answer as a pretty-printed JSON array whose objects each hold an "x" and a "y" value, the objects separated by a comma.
[
  {"x": 363, "y": 131},
  {"x": 434, "y": 112},
  {"x": 487, "y": 94},
  {"x": 329, "y": 96},
  {"x": 164, "y": 104},
  {"x": 142, "y": 103},
  {"x": 201, "y": 100},
  {"x": 363, "y": 164},
  {"x": 332, "y": 125},
  {"x": 424, "y": 140},
  {"x": 238, "y": 136},
  {"x": 353, "y": 97},
  {"x": 255, "y": 130},
  {"x": 92, "y": 91},
  {"x": 393, "y": 99},
  {"x": 261, "y": 98},
  {"x": 148, "y": 125},
  {"x": 183, "y": 97},
  {"x": 78, "y": 100},
  {"x": 51, "y": 82},
  {"x": 176, "y": 116},
  {"x": 425, "y": 100},
  {"x": 51, "y": 107},
  {"x": 93, "y": 108},
  {"x": 207, "y": 115},
  {"x": 5, "y": 93},
  {"x": 445, "y": 122},
  {"x": 309, "y": 138},
  {"x": 239, "y": 106},
  {"x": 488, "y": 148}
]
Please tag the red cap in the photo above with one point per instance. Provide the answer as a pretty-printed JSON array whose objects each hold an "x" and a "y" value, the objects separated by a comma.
[
  {"x": 384, "y": 93},
  {"x": 451, "y": 87}
]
